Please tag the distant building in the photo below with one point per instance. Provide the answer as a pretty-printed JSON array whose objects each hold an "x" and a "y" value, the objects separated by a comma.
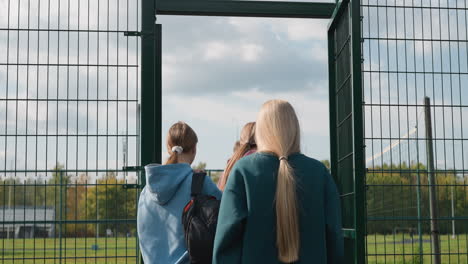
[{"x": 26, "y": 222}]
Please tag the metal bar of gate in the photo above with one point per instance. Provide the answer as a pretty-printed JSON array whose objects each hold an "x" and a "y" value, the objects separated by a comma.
[
  {"x": 246, "y": 8},
  {"x": 151, "y": 87}
]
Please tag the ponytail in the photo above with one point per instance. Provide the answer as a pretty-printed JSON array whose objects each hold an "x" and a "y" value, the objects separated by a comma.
[
  {"x": 180, "y": 139},
  {"x": 278, "y": 132},
  {"x": 173, "y": 159},
  {"x": 287, "y": 219}
]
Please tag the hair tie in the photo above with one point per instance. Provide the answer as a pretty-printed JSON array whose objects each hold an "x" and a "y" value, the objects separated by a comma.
[
  {"x": 177, "y": 149},
  {"x": 283, "y": 158}
]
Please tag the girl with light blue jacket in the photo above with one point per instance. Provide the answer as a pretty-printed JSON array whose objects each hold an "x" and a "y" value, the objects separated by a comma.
[{"x": 161, "y": 203}]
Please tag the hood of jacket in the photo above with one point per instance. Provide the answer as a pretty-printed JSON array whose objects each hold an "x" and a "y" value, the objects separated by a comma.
[{"x": 163, "y": 181}]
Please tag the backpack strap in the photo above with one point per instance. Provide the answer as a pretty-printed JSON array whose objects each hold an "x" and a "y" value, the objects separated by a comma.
[{"x": 198, "y": 179}]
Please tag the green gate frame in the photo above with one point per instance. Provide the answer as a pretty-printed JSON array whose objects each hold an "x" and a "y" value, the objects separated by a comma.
[
  {"x": 347, "y": 156},
  {"x": 151, "y": 91}
]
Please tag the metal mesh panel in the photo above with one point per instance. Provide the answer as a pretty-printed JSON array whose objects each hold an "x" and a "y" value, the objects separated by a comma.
[
  {"x": 345, "y": 123},
  {"x": 415, "y": 49},
  {"x": 69, "y": 81}
]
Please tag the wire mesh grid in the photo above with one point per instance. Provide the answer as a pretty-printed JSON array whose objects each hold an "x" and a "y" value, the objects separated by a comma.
[
  {"x": 342, "y": 119},
  {"x": 69, "y": 88},
  {"x": 413, "y": 49}
]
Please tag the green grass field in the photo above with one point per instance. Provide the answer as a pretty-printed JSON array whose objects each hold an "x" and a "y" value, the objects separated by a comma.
[
  {"x": 380, "y": 248},
  {"x": 79, "y": 250},
  {"x": 402, "y": 249}
]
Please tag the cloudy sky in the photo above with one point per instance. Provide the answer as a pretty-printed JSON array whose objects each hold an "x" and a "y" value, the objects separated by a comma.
[{"x": 217, "y": 72}]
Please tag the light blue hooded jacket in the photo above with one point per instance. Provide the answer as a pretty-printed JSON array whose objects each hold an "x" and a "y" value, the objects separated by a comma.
[{"x": 160, "y": 207}]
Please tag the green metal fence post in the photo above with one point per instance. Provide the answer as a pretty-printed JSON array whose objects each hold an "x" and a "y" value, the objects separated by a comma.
[
  {"x": 358, "y": 132},
  {"x": 61, "y": 216},
  {"x": 433, "y": 207},
  {"x": 418, "y": 196},
  {"x": 151, "y": 86},
  {"x": 332, "y": 105},
  {"x": 150, "y": 96}
]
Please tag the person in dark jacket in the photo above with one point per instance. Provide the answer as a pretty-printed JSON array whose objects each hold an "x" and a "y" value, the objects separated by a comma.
[{"x": 279, "y": 206}]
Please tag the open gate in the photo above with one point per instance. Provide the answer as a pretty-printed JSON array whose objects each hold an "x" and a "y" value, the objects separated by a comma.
[
  {"x": 76, "y": 78},
  {"x": 346, "y": 124}
]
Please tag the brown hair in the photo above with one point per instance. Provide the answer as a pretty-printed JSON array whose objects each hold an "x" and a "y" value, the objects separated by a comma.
[
  {"x": 180, "y": 134},
  {"x": 247, "y": 142},
  {"x": 278, "y": 132},
  {"x": 236, "y": 146}
]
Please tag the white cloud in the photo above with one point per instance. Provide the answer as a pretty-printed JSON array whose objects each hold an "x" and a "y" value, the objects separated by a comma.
[
  {"x": 214, "y": 109},
  {"x": 219, "y": 50},
  {"x": 247, "y": 26},
  {"x": 293, "y": 29},
  {"x": 233, "y": 54},
  {"x": 216, "y": 50},
  {"x": 251, "y": 52},
  {"x": 300, "y": 30}
]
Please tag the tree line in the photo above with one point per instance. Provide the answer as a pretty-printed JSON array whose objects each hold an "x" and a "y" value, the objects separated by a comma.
[
  {"x": 396, "y": 192},
  {"x": 391, "y": 197},
  {"x": 88, "y": 208}
]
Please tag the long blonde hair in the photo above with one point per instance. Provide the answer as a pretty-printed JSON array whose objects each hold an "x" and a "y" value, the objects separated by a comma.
[
  {"x": 277, "y": 131},
  {"x": 180, "y": 134},
  {"x": 246, "y": 143}
]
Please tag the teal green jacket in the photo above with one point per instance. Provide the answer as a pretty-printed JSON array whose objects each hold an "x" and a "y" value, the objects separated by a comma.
[{"x": 247, "y": 220}]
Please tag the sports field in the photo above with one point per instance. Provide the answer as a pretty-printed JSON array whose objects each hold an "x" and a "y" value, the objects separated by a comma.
[
  {"x": 390, "y": 248},
  {"x": 79, "y": 250},
  {"x": 381, "y": 249}
]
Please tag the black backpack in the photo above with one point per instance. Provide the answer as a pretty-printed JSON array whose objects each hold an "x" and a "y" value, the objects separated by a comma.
[{"x": 199, "y": 220}]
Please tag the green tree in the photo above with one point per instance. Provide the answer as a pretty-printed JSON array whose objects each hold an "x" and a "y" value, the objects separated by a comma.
[
  {"x": 215, "y": 176},
  {"x": 6, "y": 192},
  {"x": 76, "y": 206},
  {"x": 392, "y": 193},
  {"x": 56, "y": 194},
  {"x": 109, "y": 201},
  {"x": 200, "y": 166}
]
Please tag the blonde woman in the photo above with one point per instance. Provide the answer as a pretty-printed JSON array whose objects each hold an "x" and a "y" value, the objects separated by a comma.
[
  {"x": 246, "y": 147},
  {"x": 279, "y": 206}
]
